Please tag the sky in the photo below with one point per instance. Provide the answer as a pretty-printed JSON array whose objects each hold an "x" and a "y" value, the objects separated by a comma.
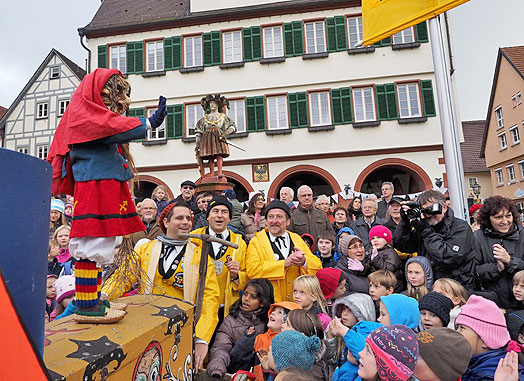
[{"x": 478, "y": 29}]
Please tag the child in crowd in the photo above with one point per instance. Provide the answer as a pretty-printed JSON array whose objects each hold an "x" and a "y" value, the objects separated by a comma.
[
  {"x": 68, "y": 212},
  {"x": 233, "y": 346},
  {"x": 341, "y": 233},
  {"x": 309, "y": 240},
  {"x": 50, "y": 295},
  {"x": 277, "y": 315},
  {"x": 383, "y": 256},
  {"x": 308, "y": 294},
  {"x": 161, "y": 198},
  {"x": 391, "y": 353},
  {"x": 518, "y": 287},
  {"x": 333, "y": 285},
  {"x": 64, "y": 258},
  {"x": 381, "y": 283},
  {"x": 56, "y": 216},
  {"x": 65, "y": 293},
  {"x": 456, "y": 292},
  {"x": 483, "y": 325},
  {"x": 434, "y": 310},
  {"x": 515, "y": 323},
  {"x": 419, "y": 276},
  {"x": 325, "y": 245},
  {"x": 399, "y": 309},
  {"x": 444, "y": 354},
  {"x": 53, "y": 267}
]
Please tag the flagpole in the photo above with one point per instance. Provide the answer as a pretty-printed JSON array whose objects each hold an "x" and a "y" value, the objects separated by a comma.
[{"x": 448, "y": 121}]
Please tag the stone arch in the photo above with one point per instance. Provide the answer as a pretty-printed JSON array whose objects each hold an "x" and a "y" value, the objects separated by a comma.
[{"x": 157, "y": 181}]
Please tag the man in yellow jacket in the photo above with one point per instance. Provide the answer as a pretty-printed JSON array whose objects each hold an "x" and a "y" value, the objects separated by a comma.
[
  {"x": 230, "y": 264},
  {"x": 172, "y": 264},
  {"x": 279, "y": 255}
]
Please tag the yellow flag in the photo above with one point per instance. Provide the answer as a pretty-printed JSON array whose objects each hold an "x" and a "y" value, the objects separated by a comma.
[{"x": 383, "y": 18}]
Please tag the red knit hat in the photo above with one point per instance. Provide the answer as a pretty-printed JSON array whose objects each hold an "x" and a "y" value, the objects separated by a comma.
[
  {"x": 329, "y": 278},
  {"x": 166, "y": 211},
  {"x": 382, "y": 232},
  {"x": 474, "y": 208}
]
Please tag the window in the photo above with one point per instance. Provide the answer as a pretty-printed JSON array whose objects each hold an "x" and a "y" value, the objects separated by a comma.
[
  {"x": 158, "y": 133},
  {"x": 502, "y": 141},
  {"x": 273, "y": 44},
  {"x": 42, "y": 110},
  {"x": 277, "y": 112},
  {"x": 237, "y": 112},
  {"x": 155, "y": 56},
  {"x": 319, "y": 108},
  {"x": 23, "y": 150},
  {"x": 472, "y": 181},
  {"x": 499, "y": 176},
  {"x": 364, "y": 104},
  {"x": 41, "y": 151},
  {"x": 192, "y": 51},
  {"x": 193, "y": 114},
  {"x": 511, "y": 173},
  {"x": 118, "y": 58},
  {"x": 521, "y": 166},
  {"x": 404, "y": 37},
  {"x": 514, "y": 131},
  {"x": 354, "y": 31},
  {"x": 232, "y": 46},
  {"x": 408, "y": 100},
  {"x": 54, "y": 72},
  {"x": 315, "y": 40},
  {"x": 62, "y": 105},
  {"x": 500, "y": 118},
  {"x": 519, "y": 98},
  {"x": 514, "y": 100}
]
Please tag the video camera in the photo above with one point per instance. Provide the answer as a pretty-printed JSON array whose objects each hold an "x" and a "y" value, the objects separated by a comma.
[{"x": 417, "y": 209}]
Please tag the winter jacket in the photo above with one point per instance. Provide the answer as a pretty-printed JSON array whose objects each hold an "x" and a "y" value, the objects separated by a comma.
[
  {"x": 191, "y": 203},
  {"x": 160, "y": 205},
  {"x": 250, "y": 227},
  {"x": 312, "y": 221},
  {"x": 482, "y": 366},
  {"x": 382, "y": 208},
  {"x": 356, "y": 281},
  {"x": 391, "y": 225},
  {"x": 361, "y": 229},
  {"x": 343, "y": 230},
  {"x": 489, "y": 276},
  {"x": 236, "y": 218},
  {"x": 200, "y": 220},
  {"x": 326, "y": 261},
  {"x": 324, "y": 318},
  {"x": 229, "y": 333},
  {"x": 386, "y": 259},
  {"x": 514, "y": 322},
  {"x": 449, "y": 246},
  {"x": 153, "y": 232},
  {"x": 336, "y": 229}
]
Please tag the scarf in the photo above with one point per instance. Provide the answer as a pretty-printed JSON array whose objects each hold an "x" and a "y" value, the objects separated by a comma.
[
  {"x": 257, "y": 219},
  {"x": 63, "y": 255},
  {"x": 171, "y": 241}
]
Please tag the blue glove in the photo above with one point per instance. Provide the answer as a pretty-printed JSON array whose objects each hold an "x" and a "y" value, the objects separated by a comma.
[{"x": 158, "y": 117}]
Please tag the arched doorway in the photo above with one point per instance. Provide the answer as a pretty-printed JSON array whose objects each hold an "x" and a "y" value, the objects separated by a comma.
[
  {"x": 145, "y": 185},
  {"x": 406, "y": 177},
  {"x": 320, "y": 180}
]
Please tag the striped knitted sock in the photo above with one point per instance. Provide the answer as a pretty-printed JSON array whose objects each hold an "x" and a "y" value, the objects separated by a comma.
[
  {"x": 99, "y": 282},
  {"x": 86, "y": 283}
]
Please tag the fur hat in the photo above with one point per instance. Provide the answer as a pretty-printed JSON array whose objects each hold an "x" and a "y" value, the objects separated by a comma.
[
  {"x": 382, "y": 232},
  {"x": 292, "y": 348},
  {"x": 329, "y": 278},
  {"x": 57, "y": 204},
  {"x": 65, "y": 287},
  {"x": 437, "y": 303}
]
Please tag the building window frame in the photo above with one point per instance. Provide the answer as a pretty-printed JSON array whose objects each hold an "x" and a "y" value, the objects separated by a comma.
[
  {"x": 521, "y": 166},
  {"x": 154, "y": 51},
  {"x": 271, "y": 40},
  {"x": 499, "y": 116},
  {"x": 503, "y": 142},
  {"x": 472, "y": 181},
  {"x": 515, "y": 135},
  {"x": 54, "y": 72},
  {"x": 233, "y": 45},
  {"x": 23, "y": 149},
  {"x": 510, "y": 168},
  {"x": 358, "y": 31},
  {"x": 237, "y": 113},
  {"x": 118, "y": 57},
  {"x": 193, "y": 112},
  {"x": 42, "y": 110},
  {"x": 519, "y": 98},
  {"x": 277, "y": 112},
  {"x": 358, "y": 94},
  {"x": 319, "y": 43},
  {"x": 196, "y": 59},
  {"x": 406, "y": 36},
  {"x": 499, "y": 176},
  {"x": 42, "y": 151},
  {"x": 158, "y": 133},
  {"x": 319, "y": 108},
  {"x": 62, "y": 105},
  {"x": 410, "y": 97}
]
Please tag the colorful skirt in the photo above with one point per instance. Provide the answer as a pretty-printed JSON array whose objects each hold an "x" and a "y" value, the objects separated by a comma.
[{"x": 104, "y": 208}]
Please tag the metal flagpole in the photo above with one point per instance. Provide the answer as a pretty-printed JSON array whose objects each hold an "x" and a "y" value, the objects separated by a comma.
[{"x": 448, "y": 121}]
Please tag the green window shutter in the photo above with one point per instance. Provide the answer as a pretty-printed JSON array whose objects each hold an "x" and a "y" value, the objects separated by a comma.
[
  {"x": 288, "y": 40},
  {"x": 386, "y": 41},
  {"x": 102, "y": 56},
  {"x": 421, "y": 31},
  {"x": 428, "y": 98},
  {"x": 256, "y": 114},
  {"x": 331, "y": 34},
  {"x": 137, "y": 113},
  {"x": 135, "y": 57},
  {"x": 293, "y": 40},
  {"x": 173, "y": 53},
  {"x": 252, "y": 44},
  {"x": 382, "y": 104},
  {"x": 336, "y": 33},
  {"x": 391, "y": 98},
  {"x": 247, "y": 41},
  {"x": 341, "y": 105},
  {"x": 298, "y": 111},
  {"x": 211, "y": 48},
  {"x": 175, "y": 121}
]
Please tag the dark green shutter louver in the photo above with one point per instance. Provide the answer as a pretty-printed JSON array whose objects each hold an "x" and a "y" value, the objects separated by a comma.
[
  {"x": 293, "y": 39},
  {"x": 336, "y": 33},
  {"x": 421, "y": 31},
  {"x": 385, "y": 42},
  {"x": 102, "y": 56},
  {"x": 211, "y": 48},
  {"x": 341, "y": 105},
  {"x": 175, "y": 121},
  {"x": 256, "y": 114},
  {"x": 386, "y": 101},
  {"x": 252, "y": 43},
  {"x": 298, "y": 111},
  {"x": 135, "y": 57},
  {"x": 137, "y": 113},
  {"x": 173, "y": 53},
  {"x": 428, "y": 98}
]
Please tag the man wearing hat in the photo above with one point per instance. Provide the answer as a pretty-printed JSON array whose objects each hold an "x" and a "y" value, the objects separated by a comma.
[
  {"x": 187, "y": 192},
  {"x": 229, "y": 263},
  {"x": 174, "y": 271},
  {"x": 279, "y": 255}
]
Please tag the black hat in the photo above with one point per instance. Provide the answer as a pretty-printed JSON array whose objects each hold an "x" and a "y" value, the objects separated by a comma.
[
  {"x": 396, "y": 199},
  {"x": 219, "y": 200},
  {"x": 188, "y": 182},
  {"x": 277, "y": 204},
  {"x": 437, "y": 303}
]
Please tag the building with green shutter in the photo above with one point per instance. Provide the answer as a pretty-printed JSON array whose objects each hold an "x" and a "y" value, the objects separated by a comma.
[{"x": 311, "y": 106}]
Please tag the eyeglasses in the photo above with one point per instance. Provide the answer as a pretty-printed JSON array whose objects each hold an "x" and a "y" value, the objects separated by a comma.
[
  {"x": 148, "y": 208},
  {"x": 187, "y": 187},
  {"x": 356, "y": 246}
]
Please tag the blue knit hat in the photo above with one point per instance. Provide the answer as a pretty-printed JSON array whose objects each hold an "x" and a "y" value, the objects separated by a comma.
[
  {"x": 402, "y": 310},
  {"x": 57, "y": 204},
  {"x": 292, "y": 348}
]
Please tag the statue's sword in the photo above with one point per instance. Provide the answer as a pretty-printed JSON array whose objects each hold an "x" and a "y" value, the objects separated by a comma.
[{"x": 234, "y": 145}]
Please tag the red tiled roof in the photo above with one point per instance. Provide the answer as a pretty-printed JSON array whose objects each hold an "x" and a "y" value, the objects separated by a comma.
[
  {"x": 3, "y": 110},
  {"x": 472, "y": 145},
  {"x": 516, "y": 56}
]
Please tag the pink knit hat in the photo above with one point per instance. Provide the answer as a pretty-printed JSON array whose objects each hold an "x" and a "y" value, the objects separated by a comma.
[
  {"x": 65, "y": 287},
  {"x": 382, "y": 232},
  {"x": 486, "y": 319}
]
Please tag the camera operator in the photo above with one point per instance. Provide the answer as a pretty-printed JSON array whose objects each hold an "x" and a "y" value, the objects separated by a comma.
[{"x": 431, "y": 229}]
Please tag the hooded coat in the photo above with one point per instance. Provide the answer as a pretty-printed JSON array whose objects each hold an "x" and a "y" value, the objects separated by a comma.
[
  {"x": 482, "y": 366},
  {"x": 343, "y": 230},
  {"x": 360, "y": 304},
  {"x": 402, "y": 310},
  {"x": 426, "y": 266}
]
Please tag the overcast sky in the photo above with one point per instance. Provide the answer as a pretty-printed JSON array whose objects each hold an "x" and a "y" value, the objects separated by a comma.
[{"x": 29, "y": 29}]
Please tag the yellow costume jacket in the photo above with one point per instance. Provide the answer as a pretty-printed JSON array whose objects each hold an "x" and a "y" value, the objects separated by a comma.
[
  {"x": 260, "y": 263},
  {"x": 209, "y": 318},
  {"x": 229, "y": 289}
]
